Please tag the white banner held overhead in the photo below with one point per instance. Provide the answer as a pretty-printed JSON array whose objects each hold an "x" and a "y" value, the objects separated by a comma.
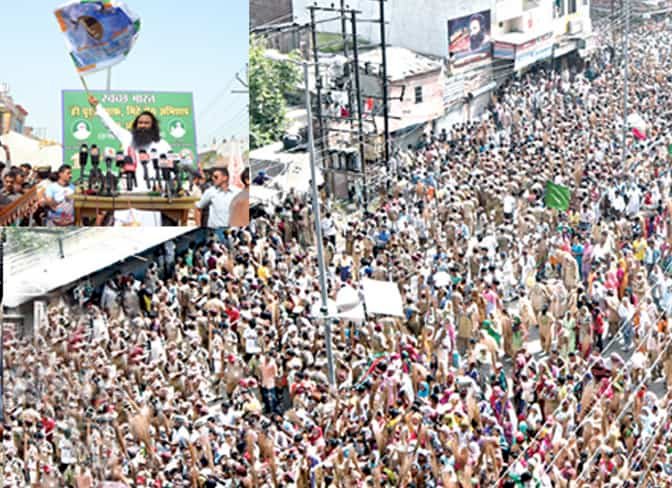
[{"x": 382, "y": 297}]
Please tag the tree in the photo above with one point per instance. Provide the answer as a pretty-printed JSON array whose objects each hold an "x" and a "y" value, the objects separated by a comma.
[{"x": 269, "y": 81}]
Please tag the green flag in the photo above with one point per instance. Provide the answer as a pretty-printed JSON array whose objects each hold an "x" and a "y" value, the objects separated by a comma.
[{"x": 557, "y": 196}]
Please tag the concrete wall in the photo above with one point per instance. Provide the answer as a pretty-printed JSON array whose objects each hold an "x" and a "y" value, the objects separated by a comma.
[
  {"x": 432, "y": 85},
  {"x": 264, "y": 12},
  {"x": 534, "y": 18},
  {"x": 561, "y": 24}
]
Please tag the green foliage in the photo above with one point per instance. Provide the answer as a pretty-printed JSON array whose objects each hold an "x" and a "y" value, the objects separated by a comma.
[{"x": 269, "y": 81}]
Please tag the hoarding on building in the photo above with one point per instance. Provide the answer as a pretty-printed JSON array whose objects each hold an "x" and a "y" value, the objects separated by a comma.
[{"x": 469, "y": 39}]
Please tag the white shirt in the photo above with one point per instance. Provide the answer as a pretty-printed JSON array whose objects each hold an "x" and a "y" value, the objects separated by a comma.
[
  {"x": 251, "y": 336},
  {"x": 67, "y": 451},
  {"x": 125, "y": 137},
  {"x": 218, "y": 202},
  {"x": 509, "y": 204}
]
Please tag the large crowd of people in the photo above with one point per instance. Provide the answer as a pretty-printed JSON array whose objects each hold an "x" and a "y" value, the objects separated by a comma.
[{"x": 211, "y": 370}]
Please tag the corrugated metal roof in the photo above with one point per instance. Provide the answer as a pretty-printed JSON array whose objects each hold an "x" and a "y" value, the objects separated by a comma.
[{"x": 93, "y": 250}]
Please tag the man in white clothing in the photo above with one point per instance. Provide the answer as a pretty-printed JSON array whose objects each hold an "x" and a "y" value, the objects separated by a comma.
[{"x": 144, "y": 135}]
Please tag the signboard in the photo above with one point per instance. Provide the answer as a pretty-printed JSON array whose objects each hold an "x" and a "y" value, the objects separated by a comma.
[
  {"x": 469, "y": 39},
  {"x": 382, "y": 297},
  {"x": 533, "y": 51},
  {"x": 81, "y": 125},
  {"x": 504, "y": 50}
]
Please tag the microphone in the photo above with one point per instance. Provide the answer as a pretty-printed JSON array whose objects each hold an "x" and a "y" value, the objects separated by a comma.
[
  {"x": 129, "y": 172},
  {"x": 120, "y": 159},
  {"x": 144, "y": 160},
  {"x": 155, "y": 164},
  {"x": 95, "y": 155},
  {"x": 83, "y": 158},
  {"x": 165, "y": 165}
]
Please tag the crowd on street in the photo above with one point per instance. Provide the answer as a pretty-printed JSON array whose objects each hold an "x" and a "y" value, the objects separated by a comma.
[{"x": 211, "y": 370}]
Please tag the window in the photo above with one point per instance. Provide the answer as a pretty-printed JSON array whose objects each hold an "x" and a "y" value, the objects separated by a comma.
[
  {"x": 418, "y": 94},
  {"x": 571, "y": 6}
]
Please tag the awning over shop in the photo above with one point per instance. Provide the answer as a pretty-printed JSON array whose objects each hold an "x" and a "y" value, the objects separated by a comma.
[{"x": 523, "y": 50}]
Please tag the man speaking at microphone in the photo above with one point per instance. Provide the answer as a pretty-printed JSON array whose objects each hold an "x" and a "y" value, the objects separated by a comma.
[{"x": 144, "y": 134}]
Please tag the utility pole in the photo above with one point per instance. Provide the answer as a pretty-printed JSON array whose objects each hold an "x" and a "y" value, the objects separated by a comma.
[
  {"x": 344, "y": 33},
  {"x": 318, "y": 234},
  {"x": 625, "y": 82},
  {"x": 360, "y": 127},
  {"x": 2, "y": 324},
  {"x": 322, "y": 142},
  {"x": 613, "y": 27},
  {"x": 386, "y": 113}
]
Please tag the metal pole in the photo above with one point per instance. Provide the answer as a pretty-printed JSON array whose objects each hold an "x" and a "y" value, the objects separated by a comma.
[
  {"x": 109, "y": 79},
  {"x": 322, "y": 142},
  {"x": 360, "y": 127},
  {"x": 625, "y": 82},
  {"x": 385, "y": 86},
  {"x": 318, "y": 234},
  {"x": 2, "y": 325},
  {"x": 344, "y": 33},
  {"x": 613, "y": 27}
]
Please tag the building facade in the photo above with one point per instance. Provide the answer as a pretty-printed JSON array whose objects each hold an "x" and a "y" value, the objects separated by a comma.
[
  {"x": 12, "y": 115},
  {"x": 514, "y": 35}
]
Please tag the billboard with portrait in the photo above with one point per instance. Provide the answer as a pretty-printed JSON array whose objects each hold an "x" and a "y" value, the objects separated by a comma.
[{"x": 469, "y": 39}]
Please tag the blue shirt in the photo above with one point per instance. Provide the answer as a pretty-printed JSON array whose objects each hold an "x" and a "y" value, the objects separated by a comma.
[{"x": 64, "y": 213}]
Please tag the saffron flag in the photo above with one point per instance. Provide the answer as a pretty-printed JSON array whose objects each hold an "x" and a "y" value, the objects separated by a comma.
[
  {"x": 98, "y": 34},
  {"x": 556, "y": 196}
]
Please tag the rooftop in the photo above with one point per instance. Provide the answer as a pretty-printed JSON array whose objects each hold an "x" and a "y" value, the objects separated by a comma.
[
  {"x": 36, "y": 272},
  {"x": 402, "y": 63}
]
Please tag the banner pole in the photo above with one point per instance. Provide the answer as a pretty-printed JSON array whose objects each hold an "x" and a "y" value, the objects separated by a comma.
[
  {"x": 109, "y": 79},
  {"x": 86, "y": 87}
]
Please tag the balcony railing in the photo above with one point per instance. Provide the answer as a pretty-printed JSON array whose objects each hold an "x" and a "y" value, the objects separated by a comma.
[{"x": 22, "y": 207}]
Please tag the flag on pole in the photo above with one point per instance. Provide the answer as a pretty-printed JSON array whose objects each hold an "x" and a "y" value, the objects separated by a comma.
[
  {"x": 556, "y": 196},
  {"x": 236, "y": 164},
  {"x": 98, "y": 34}
]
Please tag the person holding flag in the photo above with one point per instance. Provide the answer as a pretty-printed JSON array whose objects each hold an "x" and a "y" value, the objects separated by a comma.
[{"x": 144, "y": 135}]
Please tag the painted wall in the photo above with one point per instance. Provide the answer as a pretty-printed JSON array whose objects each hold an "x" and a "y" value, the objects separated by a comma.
[
  {"x": 431, "y": 107},
  {"x": 529, "y": 17}
]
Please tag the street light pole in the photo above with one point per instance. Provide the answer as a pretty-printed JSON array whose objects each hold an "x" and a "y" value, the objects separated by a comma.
[
  {"x": 626, "y": 8},
  {"x": 318, "y": 232},
  {"x": 2, "y": 324}
]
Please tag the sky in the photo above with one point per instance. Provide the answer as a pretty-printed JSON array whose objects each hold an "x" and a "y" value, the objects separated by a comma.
[{"x": 194, "y": 46}]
